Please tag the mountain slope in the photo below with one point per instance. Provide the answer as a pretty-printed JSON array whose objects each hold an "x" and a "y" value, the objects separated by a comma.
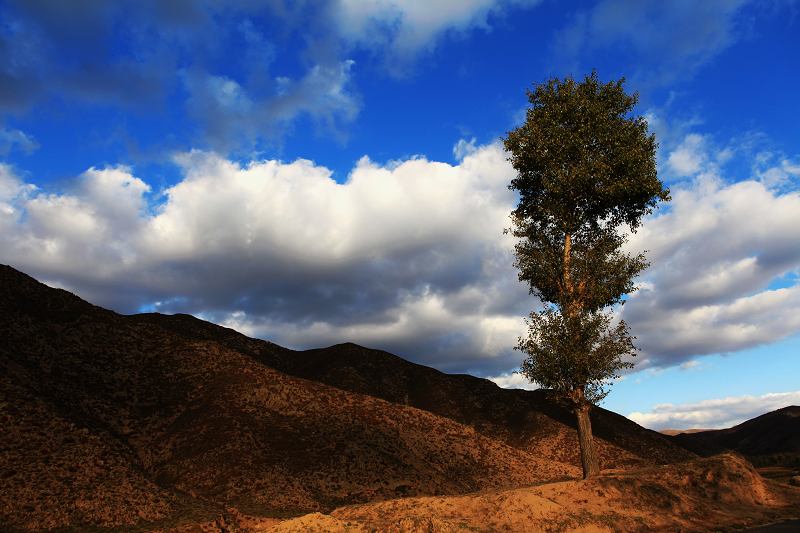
[
  {"x": 112, "y": 420},
  {"x": 523, "y": 419},
  {"x": 152, "y": 422},
  {"x": 772, "y": 438}
]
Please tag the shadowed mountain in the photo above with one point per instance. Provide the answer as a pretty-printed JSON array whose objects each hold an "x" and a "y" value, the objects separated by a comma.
[
  {"x": 528, "y": 420},
  {"x": 111, "y": 420},
  {"x": 770, "y": 439}
]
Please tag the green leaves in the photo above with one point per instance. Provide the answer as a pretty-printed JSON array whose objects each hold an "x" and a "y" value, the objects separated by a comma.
[
  {"x": 586, "y": 167},
  {"x": 602, "y": 274},
  {"x": 582, "y": 352},
  {"x": 581, "y": 157}
]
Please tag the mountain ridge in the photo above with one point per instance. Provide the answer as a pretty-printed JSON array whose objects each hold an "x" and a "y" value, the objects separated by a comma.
[
  {"x": 381, "y": 374},
  {"x": 769, "y": 439},
  {"x": 114, "y": 420},
  {"x": 111, "y": 421}
]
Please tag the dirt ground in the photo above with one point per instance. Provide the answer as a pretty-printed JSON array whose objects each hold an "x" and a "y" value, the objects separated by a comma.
[{"x": 723, "y": 493}]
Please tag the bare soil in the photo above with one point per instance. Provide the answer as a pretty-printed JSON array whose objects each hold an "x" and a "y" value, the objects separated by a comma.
[{"x": 720, "y": 493}]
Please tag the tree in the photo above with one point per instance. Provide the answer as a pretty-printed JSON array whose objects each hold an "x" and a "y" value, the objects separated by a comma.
[{"x": 586, "y": 172}]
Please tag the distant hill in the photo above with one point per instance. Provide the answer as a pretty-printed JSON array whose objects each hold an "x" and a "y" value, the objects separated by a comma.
[
  {"x": 111, "y": 420},
  {"x": 673, "y": 432},
  {"x": 770, "y": 439}
]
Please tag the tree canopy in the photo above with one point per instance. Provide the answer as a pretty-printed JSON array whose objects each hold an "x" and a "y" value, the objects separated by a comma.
[
  {"x": 582, "y": 159},
  {"x": 586, "y": 173}
]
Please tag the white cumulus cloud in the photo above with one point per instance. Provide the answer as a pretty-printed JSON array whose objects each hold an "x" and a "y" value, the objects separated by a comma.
[
  {"x": 407, "y": 256},
  {"x": 513, "y": 380},
  {"x": 715, "y": 256},
  {"x": 687, "y": 159},
  {"x": 714, "y": 414}
]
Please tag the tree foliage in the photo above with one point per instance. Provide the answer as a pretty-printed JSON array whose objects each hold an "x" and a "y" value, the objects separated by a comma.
[
  {"x": 586, "y": 172},
  {"x": 599, "y": 272},
  {"x": 575, "y": 353},
  {"x": 582, "y": 161}
]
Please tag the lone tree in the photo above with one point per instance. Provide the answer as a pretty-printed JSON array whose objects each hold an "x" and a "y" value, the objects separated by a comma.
[{"x": 586, "y": 171}]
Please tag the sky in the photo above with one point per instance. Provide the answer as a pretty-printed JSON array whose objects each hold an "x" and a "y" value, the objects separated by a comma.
[{"x": 315, "y": 172}]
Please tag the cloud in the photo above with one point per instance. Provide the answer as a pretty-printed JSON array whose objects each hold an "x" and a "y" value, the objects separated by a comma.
[
  {"x": 13, "y": 139},
  {"x": 688, "y": 158},
  {"x": 148, "y": 56},
  {"x": 670, "y": 336},
  {"x": 714, "y": 414},
  {"x": 690, "y": 365},
  {"x": 782, "y": 174},
  {"x": 96, "y": 51},
  {"x": 219, "y": 60},
  {"x": 669, "y": 40},
  {"x": 463, "y": 148},
  {"x": 406, "y": 27},
  {"x": 231, "y": 116},
  {"x": 12, "y": 190},
  {"x": 513, "y": 380},
  {"x": 715, "y": 255},
  {"x": 83, "y": 237},
  {"x": 409, "y": 256}
]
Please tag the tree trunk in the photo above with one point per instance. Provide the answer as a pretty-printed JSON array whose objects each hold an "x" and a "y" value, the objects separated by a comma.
[
  {"x": 589, "y": 459},
  {"x": 567, "y": 277}
]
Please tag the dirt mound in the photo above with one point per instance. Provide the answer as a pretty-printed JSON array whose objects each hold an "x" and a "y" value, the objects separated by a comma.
[
  {"x": 316, "y": 522},
  {"x": 706, "y": 494}
]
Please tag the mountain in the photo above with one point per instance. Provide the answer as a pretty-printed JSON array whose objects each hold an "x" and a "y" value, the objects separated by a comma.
[
  {"x": 527, "y": 420},
  {"x": 111, "y": 420},
  {"x": 770, "y": 439}
]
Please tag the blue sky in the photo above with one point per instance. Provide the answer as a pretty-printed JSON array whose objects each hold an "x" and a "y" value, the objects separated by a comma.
[{"x": 315, "y": 172}]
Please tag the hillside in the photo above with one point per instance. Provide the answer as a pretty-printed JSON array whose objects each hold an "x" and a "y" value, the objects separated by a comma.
[
  {"x": 523, "y": 419},
  {"x": 112, "y": 420},
  {"x": 770, "y": 439},
  {"x": 168, "y": 422}
]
